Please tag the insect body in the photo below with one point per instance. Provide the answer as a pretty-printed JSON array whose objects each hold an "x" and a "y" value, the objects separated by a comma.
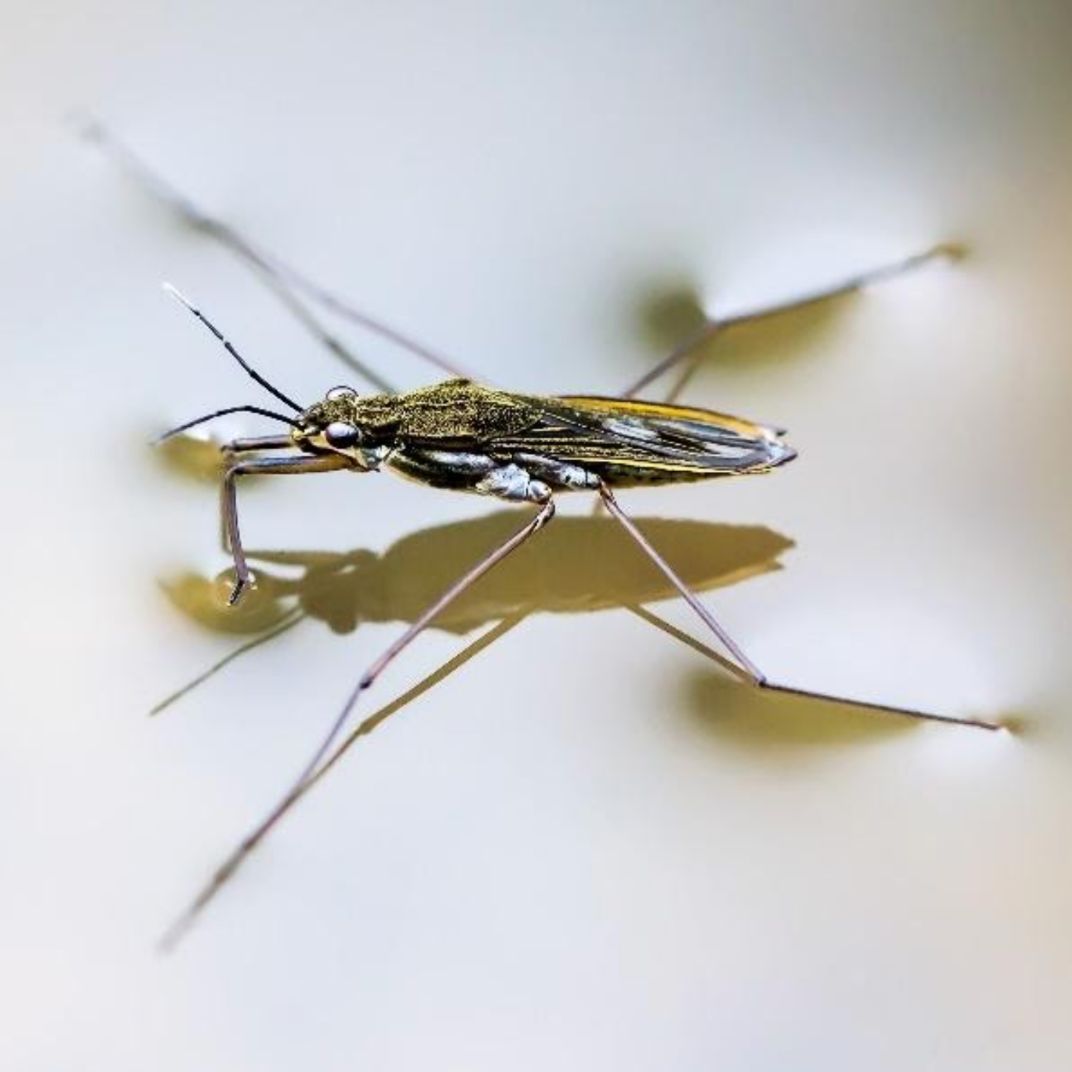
[{"x": 520, "y": 448}]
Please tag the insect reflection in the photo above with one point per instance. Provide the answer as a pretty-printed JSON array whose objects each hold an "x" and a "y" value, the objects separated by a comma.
[{"x": 344, "y": 590}]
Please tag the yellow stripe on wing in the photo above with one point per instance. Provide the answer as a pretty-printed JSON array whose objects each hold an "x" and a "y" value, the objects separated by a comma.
[{"x": 624, "y": 407}]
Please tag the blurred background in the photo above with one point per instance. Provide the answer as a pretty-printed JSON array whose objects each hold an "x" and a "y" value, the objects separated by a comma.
[{"x": 583, "y": 847}]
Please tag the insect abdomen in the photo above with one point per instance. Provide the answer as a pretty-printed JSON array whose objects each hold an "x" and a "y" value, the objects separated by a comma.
[{"x": 625, "y": 475}]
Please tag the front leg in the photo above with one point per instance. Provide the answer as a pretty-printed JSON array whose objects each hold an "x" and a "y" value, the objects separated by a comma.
[
  {"x": 255, "y": 444},
  {"x": 291, "y": 463},
  {"x": 247, "y": 445}
]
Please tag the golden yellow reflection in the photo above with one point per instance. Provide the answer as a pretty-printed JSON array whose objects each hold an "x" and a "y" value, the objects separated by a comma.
[
  {"x": 199, "y": 457},
  {"x": 673, "y": 310},
  {"x": 576, "y": 564},
  {"x": 735, "y": 713}
]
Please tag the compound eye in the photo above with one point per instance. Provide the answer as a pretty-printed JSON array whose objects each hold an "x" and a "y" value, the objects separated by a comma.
[
  {"x": 340, "y": 392},
  {"x": 341, "y": 434}
]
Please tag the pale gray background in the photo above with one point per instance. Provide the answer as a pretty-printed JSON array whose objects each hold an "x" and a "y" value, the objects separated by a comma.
[{"x": 580, "y": 851}]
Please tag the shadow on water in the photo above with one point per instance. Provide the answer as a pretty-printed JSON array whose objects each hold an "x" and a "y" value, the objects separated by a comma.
[
  {"x": 577, "y": 564},
  {"x": 779, "y": 726},
  {"x": 190, "y": 456},
  {"x": 672, "y": 312}
]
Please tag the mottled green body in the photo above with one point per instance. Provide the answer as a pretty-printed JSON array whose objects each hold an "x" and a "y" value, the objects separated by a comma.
[
  {"x": 454, "y": 434},
  {"x": 457, "y": 411}
]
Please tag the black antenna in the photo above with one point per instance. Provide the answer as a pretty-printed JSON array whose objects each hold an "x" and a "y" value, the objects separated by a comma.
[
  {"x": 223, "y": 413},
  {"x": 230, "y": 349}
]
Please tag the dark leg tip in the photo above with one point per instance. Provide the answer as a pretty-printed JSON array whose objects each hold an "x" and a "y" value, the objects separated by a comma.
[{"x": 238, "y": 591}]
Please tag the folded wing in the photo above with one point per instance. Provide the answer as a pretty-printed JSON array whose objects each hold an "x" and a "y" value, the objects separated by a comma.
[{"x": 689, "y": 441}]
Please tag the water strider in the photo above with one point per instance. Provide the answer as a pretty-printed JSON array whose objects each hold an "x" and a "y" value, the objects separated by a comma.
[
  {"x": 465, "y": 436},
  {"x": 523, "y": 449}
]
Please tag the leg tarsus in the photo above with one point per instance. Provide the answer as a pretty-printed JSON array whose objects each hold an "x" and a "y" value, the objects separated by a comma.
[
  {"x": 240, "y": 587},
  {"x": 905, "y": 712}
]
